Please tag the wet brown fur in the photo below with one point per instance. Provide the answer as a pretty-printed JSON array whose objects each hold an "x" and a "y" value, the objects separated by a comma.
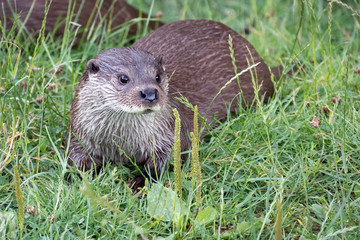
[{"x": 116, "y": 11}]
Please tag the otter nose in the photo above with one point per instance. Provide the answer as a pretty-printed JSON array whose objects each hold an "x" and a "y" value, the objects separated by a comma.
[{"x": 149, "y": 95}]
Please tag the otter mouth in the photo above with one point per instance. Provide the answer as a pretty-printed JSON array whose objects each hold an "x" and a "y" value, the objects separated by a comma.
[
  {"x": 149, "y": 110},
  {"x": 141, "y": 109}
]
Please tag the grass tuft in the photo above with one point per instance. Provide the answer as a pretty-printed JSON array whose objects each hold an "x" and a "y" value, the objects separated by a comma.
[
  {"x": 19, "y": 198},
  {"x": 278, "y": 222},
  {"x": 195, "y": 163},
  {"x": 177, "y": 153},
  {"x": 277, "y": 150}
]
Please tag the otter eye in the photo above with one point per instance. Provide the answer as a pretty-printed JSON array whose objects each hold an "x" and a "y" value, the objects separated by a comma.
[
  {"x": 123, "y": 79},
  {"x": 158, "y": 78}
]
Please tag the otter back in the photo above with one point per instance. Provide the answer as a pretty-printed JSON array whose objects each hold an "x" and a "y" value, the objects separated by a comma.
[
  {"x": 196, "y": 53},
  {"x": 115, "y": 11}
]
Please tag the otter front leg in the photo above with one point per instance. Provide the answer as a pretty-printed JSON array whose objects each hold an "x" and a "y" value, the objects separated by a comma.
[
  {"x": 154, "y": 169},
  {"x": 79, "y": 157}
]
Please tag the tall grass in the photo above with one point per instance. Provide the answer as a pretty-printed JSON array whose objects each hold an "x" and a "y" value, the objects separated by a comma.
[{"x": 268, "y": 155}]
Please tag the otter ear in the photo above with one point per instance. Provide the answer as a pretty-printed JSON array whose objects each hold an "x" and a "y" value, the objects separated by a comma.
[
  {"x": 161, "y": 62},
  {"x": 93, "y": 66}
]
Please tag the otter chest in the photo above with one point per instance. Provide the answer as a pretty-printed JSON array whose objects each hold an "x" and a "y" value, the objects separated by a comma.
[{"x": 120, "y": 137}]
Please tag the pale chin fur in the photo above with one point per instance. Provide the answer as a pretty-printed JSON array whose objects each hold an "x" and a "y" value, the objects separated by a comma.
[{"x": 140, "y": 110}]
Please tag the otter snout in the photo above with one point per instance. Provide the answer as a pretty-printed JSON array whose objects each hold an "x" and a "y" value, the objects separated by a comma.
[{"x": 149, "y": 95}]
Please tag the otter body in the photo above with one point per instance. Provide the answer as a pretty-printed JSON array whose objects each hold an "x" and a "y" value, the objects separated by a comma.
[
  {"x": 197, "y": 56},
  {"x": 123, "y": 105},
  {"x": 33, "y": 13}
]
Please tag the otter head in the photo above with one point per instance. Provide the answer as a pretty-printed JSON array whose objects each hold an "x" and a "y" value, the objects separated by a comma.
[{"x": 127, "y": 80}]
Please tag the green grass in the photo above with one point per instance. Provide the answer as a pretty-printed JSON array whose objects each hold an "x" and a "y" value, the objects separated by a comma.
[{"x": 261, "y": 158}]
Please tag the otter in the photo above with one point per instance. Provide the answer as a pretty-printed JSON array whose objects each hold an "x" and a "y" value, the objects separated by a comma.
[
  {"x": 122, "y": 109},
  {"x": 32, "y": 14}
]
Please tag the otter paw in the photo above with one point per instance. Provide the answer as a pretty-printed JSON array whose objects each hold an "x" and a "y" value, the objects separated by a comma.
[{"x": 137, "y": 183}]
